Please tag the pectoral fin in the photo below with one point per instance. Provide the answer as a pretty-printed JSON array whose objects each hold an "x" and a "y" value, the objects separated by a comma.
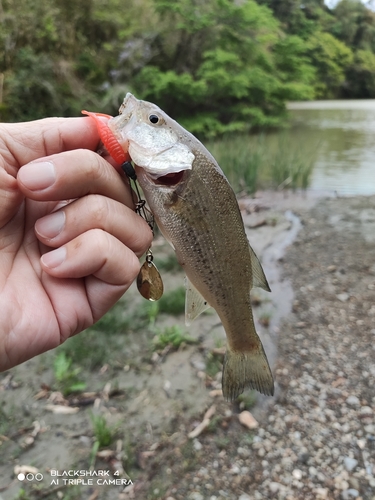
[
  {"x": 259, "y": 278},
  {"x": 195, "y": 304}
]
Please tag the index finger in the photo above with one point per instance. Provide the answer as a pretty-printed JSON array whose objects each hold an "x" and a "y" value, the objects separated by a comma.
[
  {"x": 28, "y": 141},
  {"x": 73, "y": 174}
]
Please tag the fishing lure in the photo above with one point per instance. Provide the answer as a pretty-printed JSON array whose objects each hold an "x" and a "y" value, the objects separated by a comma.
[
  {"x": 114, "y": 148},
  {"x": 149, "y": 282}
]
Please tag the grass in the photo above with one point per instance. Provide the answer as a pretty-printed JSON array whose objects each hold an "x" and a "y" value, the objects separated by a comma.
[
  {"x": 115, "y": 321},
  {"x": 173, "y": 302},
  {"x": 264, "y": 161},
  {"x": 104, "y": 435},
  {"x": 105, "y": 342},
  {"x": 168, "y": 264},
  {"x": 172, "y": 336},
  {"x": 214, "y": 364},
  {"x": 66, "y": 376},
  {"x": 247, "y": 400},
  {"x": 214, "y": 423}
]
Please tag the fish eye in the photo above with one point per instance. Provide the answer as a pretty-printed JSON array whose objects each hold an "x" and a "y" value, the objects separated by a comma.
[{"x": 153, "y": 119}]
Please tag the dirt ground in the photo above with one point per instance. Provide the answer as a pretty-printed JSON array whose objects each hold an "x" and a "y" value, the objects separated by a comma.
[{"x": 173, "y": 436}]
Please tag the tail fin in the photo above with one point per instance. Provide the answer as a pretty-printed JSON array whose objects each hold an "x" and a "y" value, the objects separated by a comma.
[{"x": 246, "y": 369}]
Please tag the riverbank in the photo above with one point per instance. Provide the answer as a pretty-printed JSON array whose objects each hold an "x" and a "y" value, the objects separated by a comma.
[
  {"x": 313, "y": 440},
  {"x": 316, "y": 439}
]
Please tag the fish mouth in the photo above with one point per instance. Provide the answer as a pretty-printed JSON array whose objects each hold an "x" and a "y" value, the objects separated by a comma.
[{"x": 169, "y": 179}]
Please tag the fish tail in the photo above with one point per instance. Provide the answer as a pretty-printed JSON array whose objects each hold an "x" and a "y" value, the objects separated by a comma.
[{"x": 246, "y": 369}]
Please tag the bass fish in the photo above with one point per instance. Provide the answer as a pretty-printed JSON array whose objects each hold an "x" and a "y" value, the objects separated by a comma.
[{"x": 196, "y": 210}]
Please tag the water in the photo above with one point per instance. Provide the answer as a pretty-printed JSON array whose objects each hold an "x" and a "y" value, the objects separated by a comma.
[{"x": 344, "y": 135}]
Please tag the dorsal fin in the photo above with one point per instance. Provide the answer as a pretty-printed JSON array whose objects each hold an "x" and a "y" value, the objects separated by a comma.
[
  {"x": 259, "y": 278},
  {"x": 195, "y": 304}
]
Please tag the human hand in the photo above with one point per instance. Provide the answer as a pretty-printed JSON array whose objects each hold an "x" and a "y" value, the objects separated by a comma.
[{"x": 73, "y": 201}]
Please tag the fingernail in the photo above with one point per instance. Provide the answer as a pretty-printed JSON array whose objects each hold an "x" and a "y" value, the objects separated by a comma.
[
  {"x": 51, "y": 225},
  {"x": 38, "y": 175},
  {"x": 54, "y": 258}
]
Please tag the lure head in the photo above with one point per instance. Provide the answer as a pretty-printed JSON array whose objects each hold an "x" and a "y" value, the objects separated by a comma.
[
  {"x": 153, "y": 139},
  {"x": 117, "y": 150}
]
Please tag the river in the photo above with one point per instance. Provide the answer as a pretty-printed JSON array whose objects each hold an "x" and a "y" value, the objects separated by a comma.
[{"x": 344, "y": 134}]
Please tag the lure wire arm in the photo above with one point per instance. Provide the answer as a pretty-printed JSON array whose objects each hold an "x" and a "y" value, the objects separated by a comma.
[{"x": 140, "y": 207}]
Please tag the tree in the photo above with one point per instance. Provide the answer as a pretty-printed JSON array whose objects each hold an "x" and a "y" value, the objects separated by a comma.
[
  {"x": 360, "y": 76},
  {"x": 354, "y": 24},
  {"x": 330, "y": 57},
  {"x": 240, "y": 75}
]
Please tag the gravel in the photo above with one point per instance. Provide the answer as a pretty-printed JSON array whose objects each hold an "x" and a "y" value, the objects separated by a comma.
[{"x": 316, "y": 437}]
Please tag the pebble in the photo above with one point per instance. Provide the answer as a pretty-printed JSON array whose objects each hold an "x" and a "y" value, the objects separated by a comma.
[
  {"x": 321, "y": 493},
  {"x": 297, "y": 474},
  {"x": 366, "y": 410},
  {"x": 275, "y": 487},
  {"x": 196, "y": 496},
  {"x": 197, "y": 445},
  {"x": 350, "y": 463},
  {"x": 244, "y": 496},
  {"x": 343, "y": 297},
  {"x": 348, "y": 494},
  {"x": 246, "y": 419},
  {"x": 353, "y": 401}
]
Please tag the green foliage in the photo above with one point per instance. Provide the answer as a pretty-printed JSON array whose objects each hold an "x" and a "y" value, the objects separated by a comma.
[
  {"x": 360, "y": 75},
  {"x": 247, "y": 400},
  {"x": 252, "y": 162},
  {"x": 292, "y": 165},
  {"x": 103, "y": 434},
  {"x": 173, "y": 302},
  {"x": 22, "y": 495},
  {"x": 214, "y": 364},
  {"x": 66, "y": 376},
  {"x": 93, "y": 348},
  {"x": 234, "y": 83},
  {"x": 354, "y": 24},
  {"x": 169, "y": 263},
  {"x": 330, "y": 58},
  {"x": 114, "y": 321},
  {"x": 172, "y": 336},
  {"x": 217, "y": 66}
]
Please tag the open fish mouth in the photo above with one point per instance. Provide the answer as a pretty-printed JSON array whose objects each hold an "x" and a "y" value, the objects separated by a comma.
[{"x": 170, "y": 179}]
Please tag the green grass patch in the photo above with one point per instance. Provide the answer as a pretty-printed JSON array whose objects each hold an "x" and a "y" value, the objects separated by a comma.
[
  {"x": 241, "y": 159},
  {"x": 104, "y": 435},
  {"x": 115, "y": 320},
  {"x": 172, "y": 336},
  {"x": 173, "y": 302},
  {"x": 92, "y": 349},
  {"x": 247, "y": 400},
  {"x": 67, "y": 380},
  {"x": 168, "y": 263},
  {"x": 259, "y": 161},
  {"x": 214, "y": 364}
]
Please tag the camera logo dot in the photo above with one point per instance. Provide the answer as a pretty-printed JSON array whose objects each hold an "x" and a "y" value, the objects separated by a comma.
[{"x": 30, "y": 477}]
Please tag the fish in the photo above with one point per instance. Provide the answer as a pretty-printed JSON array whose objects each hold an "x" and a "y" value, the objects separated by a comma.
[{"x": 197, "y": 212}]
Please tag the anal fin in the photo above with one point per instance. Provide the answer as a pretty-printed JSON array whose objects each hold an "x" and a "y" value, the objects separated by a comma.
[
  {"x": 195, "y": 304},
  {"x": 259, "y": 278}
]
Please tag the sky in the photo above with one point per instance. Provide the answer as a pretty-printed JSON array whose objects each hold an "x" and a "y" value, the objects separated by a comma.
[{"x": 332, "y": 3}]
